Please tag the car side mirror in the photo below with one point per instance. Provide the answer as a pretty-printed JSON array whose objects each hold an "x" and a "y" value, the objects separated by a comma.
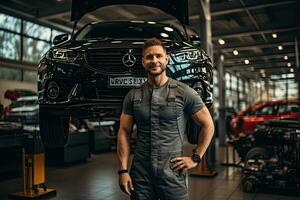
[
  {"x": 60, "y": 38},
  {"x": 195, "y": 40}
]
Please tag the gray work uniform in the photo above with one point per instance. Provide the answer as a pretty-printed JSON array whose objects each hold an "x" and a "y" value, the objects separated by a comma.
[{"x": 161, "y": 115}]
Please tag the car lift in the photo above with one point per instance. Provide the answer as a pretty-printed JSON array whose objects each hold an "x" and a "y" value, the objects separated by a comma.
[{"x": 33, "y": 171}]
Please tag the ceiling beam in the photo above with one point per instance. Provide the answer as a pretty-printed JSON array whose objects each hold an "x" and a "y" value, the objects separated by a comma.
[
  {"x": 261, "y": 56},
  {"x": 258, "y": 66},
  {"x": 257, "y": 59},
  {"x": 224, "y": 8},
  {"x": 251, "y": 30},
  {"x": 251, "y": 45}
]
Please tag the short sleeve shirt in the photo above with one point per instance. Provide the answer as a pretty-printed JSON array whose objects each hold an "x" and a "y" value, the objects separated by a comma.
[{"x": 188, "y": 100}]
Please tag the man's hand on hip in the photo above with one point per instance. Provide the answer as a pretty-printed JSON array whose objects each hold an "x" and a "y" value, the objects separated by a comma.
[
  {"x": 182, "y": 163},
  {"x": 125, "y": 183}
]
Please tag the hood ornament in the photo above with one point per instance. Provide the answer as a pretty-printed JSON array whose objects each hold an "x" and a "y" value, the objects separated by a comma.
[{"x": 128, "y": 59}]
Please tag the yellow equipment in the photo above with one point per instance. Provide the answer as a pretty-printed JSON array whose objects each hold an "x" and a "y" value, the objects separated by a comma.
[{"x": 33, "y": 171}]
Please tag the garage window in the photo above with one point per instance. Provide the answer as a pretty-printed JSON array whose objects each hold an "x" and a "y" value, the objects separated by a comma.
[
  {"x": 10, "y": 23},
  {"x": 34, "y": 49},
  {"x": 37, "y": 31},
  {"x": 10, "y": 45}
]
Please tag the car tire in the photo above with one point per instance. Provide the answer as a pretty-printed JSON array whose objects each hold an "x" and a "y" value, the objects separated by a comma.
[
  {"x": 257, "y": 153},
  {"x": 54, "y": 129}
]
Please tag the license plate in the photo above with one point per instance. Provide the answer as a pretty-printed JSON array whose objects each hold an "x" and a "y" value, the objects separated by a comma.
[{"x": 126, "y": 81}]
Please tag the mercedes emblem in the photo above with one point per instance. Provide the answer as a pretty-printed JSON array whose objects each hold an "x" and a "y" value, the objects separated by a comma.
[{"x": 128, "y": 59}]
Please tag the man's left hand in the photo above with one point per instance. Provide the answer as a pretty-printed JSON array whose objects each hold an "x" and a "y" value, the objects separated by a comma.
[{"x": 182, "y": 163}]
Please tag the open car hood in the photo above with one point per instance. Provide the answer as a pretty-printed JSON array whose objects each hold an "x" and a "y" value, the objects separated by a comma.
[{"x": 176, "y": 8}]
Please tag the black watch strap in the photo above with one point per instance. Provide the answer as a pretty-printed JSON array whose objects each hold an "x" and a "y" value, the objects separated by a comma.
[
  {"x": 196, "y": 158},
  {"x": 122, "y": 171}
]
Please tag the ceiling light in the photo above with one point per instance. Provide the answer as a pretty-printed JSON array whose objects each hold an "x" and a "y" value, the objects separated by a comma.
[
  {"x": 274, "y": 35},
  {"x": 280, "y": 47},
  {"x": 262, "y": 71},
  {"x": 222, "y": 57},
  {"x": 291, "y": 70},
  {"x": 168, "y": 29},
  {"x": 151, "y": 22},
  {"x": 235, "y": 52},
  {"x": 247, "y": 62},
  {"x": 221, "y": 41},
  {"x": 289, "y": 64},
  {"x": 263, "y": 75},
  {"x": 285, "y": 58}
]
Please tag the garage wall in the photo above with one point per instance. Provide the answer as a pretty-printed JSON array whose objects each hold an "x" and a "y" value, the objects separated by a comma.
[{"x": 5, "y": 85}]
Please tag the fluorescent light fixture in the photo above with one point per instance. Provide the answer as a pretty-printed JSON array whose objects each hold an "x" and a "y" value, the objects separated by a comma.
[
  {"x": 247, "y": 62},
  {"x": 164, "y": 35},
  {"x": 235, "y": 52},
  {"x": 151, "y": 22},
  {"x": 222, "y": 57},
  {"x": 289, "y": 64},
  {"x": 285, "y": 58},
  {"x": 274, "y": 35},
  {"x": 221, "y": 41},
  {"x": 168, "y": 29},
  {"x": 280, "y": 47},
  {"x": 116, "y": 42},
  {"x": 291, "y": 70},
  {"x": 137, "y": 21}
]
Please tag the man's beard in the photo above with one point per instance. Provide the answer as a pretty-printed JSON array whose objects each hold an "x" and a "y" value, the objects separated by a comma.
[{"x": 154, "y": 74}]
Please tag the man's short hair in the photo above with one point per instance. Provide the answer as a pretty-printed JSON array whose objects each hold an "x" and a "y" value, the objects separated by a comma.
[{"x": 153, "y": 42}]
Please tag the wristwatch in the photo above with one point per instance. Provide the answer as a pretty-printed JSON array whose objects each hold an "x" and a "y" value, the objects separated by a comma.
[
  {"x": 196, "y": 158},
  {"x": 122, "y": 171}
]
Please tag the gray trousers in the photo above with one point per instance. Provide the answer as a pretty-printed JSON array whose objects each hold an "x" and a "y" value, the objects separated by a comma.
[{"x": 153, "y": 178}]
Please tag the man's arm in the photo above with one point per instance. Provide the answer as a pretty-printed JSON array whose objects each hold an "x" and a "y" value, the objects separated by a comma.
[
  {"x": 203, "y": 118},
  {"x": 126, "y": 122},
  {"x": 123, "y": 147}
]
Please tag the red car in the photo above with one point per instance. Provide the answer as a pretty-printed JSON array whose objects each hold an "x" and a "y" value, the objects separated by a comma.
[{"x": 246, "y": 121}]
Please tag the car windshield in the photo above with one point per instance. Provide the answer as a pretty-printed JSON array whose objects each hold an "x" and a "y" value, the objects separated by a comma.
[{"x": 128, "y": 30}]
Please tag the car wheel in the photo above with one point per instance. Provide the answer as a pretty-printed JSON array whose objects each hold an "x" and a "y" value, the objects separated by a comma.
[
  {"x": 257, "y": 153},
  {"x": 54, "y": 129}
]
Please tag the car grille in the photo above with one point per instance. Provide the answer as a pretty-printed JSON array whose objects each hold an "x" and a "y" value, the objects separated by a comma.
[{"x": 109, "y": 61}]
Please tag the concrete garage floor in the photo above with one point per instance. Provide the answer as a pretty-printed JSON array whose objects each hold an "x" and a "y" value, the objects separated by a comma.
[{"x": 96, "y": 179}]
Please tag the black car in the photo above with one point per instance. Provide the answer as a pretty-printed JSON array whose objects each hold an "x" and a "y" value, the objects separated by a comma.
[{"x": 90, "y": 74}]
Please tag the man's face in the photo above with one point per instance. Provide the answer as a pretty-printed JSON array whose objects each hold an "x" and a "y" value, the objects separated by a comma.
[{"x": 155, "y": 60}]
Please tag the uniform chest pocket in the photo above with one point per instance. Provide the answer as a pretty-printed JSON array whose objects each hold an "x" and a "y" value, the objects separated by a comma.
[{"x": 168, "y": 112}]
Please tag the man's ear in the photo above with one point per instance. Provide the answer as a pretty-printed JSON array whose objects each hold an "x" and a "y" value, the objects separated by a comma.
[{"x": 143, "y": 62}]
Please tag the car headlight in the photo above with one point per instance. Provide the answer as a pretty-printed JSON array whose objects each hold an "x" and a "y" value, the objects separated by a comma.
[
  {"x": 65, "y": 55},
  {"x": 187, "y": 56}
]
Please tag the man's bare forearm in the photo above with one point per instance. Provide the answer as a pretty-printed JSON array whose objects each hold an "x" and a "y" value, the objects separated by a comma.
[
  {"x": 204, "y": 140},
  {"x": 123, "y": 149}
]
